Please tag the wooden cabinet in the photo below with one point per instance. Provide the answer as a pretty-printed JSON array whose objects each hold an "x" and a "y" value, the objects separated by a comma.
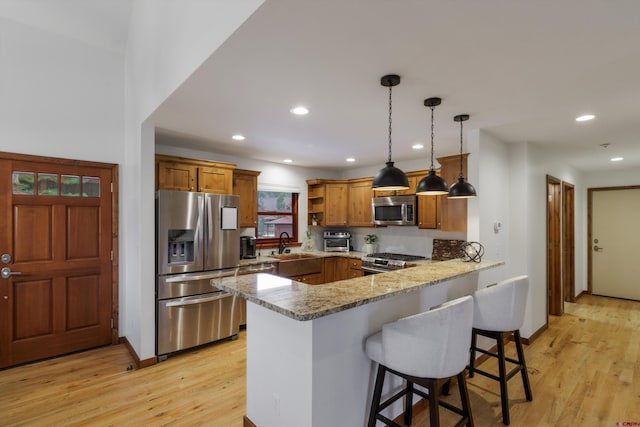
[
  {"x": 336, "y": 197},
  {"x": 428, "y": 211},
  {"x": 330, "y": 269},
  {"x": 359, "y": 210},
  {"x": 171, "y": 175},
  {"x": 452, "y": 213},
  {"x": 178, "y": 173},
  {"x": 341, "y": 268},
  {"x": 310, "y": 279},
  {"x": 355, "y": 268},
  {"x": 327, "y": 202},
  {"x": 245, "y": 185}
]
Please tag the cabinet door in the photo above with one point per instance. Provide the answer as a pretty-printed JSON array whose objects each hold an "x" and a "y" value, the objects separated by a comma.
[
  {"x": 329, "y": 268},
  {"x": 310, "y": 279},
  {"x": 342, "y": 268},
  {"x": 335, "y": 204},
  {"x": 360, "y": 194},
  {"x": 176, "y": 176},
  {"x": 215, "y": 180},
  {"x": 427, "y": 211},
  {"x": 245, "y": 185},
  {"x": 453, "y": 212}
]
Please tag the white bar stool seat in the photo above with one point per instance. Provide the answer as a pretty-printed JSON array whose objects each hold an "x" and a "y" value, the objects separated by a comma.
[
  {"x": 498, "y": 313},
  {"x": 425, "y": 349}
]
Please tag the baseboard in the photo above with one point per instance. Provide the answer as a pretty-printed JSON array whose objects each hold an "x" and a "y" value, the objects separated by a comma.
[
  {"x": 581, "y": 294},
  {"x": 535, "y": 335},
  {"x": 139, "y": 363},
  {"x": 246, "y": 422}
]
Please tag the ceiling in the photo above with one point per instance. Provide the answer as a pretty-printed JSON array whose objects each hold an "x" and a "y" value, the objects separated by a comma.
[{"x": 522, "y": 70}]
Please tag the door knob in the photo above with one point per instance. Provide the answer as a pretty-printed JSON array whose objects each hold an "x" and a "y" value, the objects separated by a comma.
[
  {"x": 598, "y": 248},
  {"x": 6, "y": 272},
  {"x": 5, "y": 258}
]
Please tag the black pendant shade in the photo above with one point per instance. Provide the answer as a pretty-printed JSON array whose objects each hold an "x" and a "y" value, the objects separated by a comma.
[
  {"x": 461, "y": 189},
  {"x": 390, "y": 177},
  {"x": 432, "y": 184}
]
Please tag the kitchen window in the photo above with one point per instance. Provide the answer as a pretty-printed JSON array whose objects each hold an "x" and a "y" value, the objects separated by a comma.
[{"x": 277, "y": 213}]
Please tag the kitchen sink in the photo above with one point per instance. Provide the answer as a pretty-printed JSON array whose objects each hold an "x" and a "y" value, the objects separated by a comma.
[{"x": 298, "y": 264}]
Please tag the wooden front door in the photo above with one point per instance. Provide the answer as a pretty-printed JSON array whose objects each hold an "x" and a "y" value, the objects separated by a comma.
[{"x": 56, "y": 251}]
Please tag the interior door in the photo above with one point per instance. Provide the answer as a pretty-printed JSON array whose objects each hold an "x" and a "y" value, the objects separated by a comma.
[
  {"x": 55, "y": 246},
  {"x": 554, "y": 278},
  {"x": 613, "y": 242}
]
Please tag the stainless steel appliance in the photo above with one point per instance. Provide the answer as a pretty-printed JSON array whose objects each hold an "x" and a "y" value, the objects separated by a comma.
[
  {"x": 384, "y": 262},
  {"x": 394, "y": 210},
  {"x": 197, "y": 240},
  {"x": 337, "y": 241},
  {"x": 247, "y": 247}
]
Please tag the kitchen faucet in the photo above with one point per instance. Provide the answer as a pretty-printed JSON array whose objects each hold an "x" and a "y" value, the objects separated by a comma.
[{"x": 281, "y": 244}]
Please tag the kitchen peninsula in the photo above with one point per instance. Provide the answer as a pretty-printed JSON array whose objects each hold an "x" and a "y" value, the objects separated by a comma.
[{"x": 306, "y": 364}]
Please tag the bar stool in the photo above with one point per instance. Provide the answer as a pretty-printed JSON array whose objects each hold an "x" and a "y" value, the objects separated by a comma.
[
  {"x": 498, "y": 313},
  {"x": 425, "y": 349}
]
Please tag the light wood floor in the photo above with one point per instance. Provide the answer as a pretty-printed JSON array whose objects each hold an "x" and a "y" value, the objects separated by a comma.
[{"x": 584, "y": 370}]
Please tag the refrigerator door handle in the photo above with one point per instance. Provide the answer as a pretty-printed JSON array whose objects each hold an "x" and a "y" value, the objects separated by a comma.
[
  {"x": 198, "y": 301},
  {"x": 216, "y": 275}
]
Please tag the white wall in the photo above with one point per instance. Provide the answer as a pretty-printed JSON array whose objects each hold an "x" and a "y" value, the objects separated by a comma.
[
  {"x": 166, "y": 44},
  {"x": 59, "y": 97}
]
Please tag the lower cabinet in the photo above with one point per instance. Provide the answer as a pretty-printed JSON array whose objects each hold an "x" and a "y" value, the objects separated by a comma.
[
  {"x": 310, "y": 279},
  {"x": 334, "y": 268}
]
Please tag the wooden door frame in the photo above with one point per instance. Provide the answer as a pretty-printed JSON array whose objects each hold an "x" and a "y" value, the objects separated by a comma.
[
  {"x": 557, "y": 307},
  {"x": 114, "y": 221},
  {"x": 568, "y": 242},
  {"x": 590, "y": 192}
]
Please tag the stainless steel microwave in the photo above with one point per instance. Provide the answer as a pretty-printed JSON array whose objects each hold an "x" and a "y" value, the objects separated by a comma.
[{"x": 394, "y": 210}]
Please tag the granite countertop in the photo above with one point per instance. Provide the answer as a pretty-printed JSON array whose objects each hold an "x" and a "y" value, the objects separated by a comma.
[
  {"x": 300, "y": 301},
  {"x": 320, "y": 254}
]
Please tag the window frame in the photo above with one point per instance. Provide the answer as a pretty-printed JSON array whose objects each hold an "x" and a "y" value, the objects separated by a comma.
[{"x": 267, "y": 241}]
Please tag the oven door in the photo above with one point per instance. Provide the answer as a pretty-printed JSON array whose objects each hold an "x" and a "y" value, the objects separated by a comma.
[{"x": 336, "y": 244}]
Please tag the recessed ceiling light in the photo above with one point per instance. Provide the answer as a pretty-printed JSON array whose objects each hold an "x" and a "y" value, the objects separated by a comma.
[
  {"x": 350, "y": 159},
  {"x": 617, "y": 159},
  {"x": 300, "y": 111},
  {"x": 417, "y": 146},
  {"x": 238, "y": 137},
  {"x": 288, "y": 161},
  {"x": 585, "y": 118}
]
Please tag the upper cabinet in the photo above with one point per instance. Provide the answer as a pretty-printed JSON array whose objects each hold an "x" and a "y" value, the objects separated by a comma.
[
  {"x": 452, "y": 213},
  {"x": 177, "y": 173},
  {"x": 359, "y": 212},
  {"x": 327, "y": 202},
  {"x": 245, "y": 185}
]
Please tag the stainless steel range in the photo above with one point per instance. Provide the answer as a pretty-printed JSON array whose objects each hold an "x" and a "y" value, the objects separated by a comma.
[{"x": 383, "y": 262}]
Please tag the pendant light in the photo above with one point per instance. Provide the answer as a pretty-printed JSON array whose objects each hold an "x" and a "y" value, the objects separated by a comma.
[
  {"x": 390, "y": 177},
  {"x": 461, "y": 189},
  {"x": 432, "y": 184}
]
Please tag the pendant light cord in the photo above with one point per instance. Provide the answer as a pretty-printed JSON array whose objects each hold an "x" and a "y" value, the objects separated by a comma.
[
  {"x": 390, "y": 123},
  {"x": 432, "y": 108},
  {"x": 461, "y": 175}
]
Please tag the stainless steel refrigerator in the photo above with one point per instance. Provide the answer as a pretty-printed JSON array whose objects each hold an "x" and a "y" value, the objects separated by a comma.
[{"x": 197, "y": 240}]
